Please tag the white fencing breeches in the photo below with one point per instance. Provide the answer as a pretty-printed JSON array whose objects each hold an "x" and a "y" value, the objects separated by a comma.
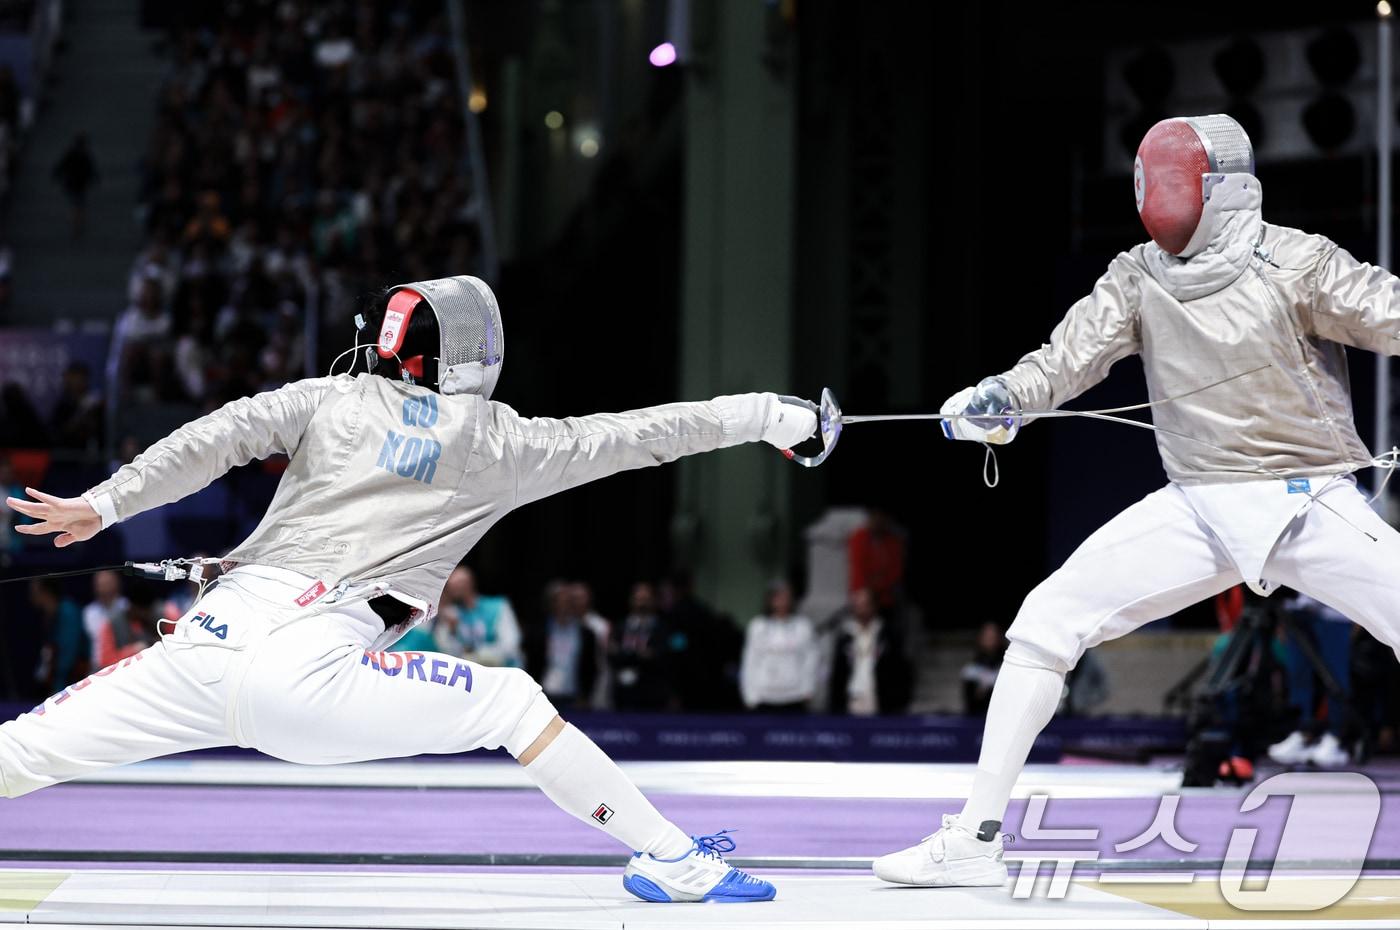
[
  {"x": 1158, "y": 556},
  {"x": 247, "y": 667}
]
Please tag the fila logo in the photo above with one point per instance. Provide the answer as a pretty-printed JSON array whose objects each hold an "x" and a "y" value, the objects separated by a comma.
[
  {"x": 603, "y": 814},
  {"x": 206, "y": 621}
]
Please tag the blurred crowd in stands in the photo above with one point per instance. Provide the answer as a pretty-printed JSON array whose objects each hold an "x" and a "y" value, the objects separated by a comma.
[
  {"x": 74, "y": 424},
  {"x": 119, "y": 621},
  {"x": 294, "y": 164},
  {"x": 668, "y": 650},
  {"x": 295, "y": 168}
]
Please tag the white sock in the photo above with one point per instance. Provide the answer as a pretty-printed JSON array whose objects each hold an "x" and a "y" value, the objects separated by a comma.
[
  {"x": 579, "y": 777},
  {"x": 1023, "y": 701}
]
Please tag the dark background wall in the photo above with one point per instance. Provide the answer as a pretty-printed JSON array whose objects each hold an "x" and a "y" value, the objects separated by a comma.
[{"x": 953, "y": 201}]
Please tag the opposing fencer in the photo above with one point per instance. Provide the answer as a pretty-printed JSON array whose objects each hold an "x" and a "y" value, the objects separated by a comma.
[
  {"x": 395, "y": 473},
  {"x": 1260, "y": 468}
]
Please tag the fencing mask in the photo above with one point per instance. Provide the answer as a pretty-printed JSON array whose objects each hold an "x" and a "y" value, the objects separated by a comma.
[
  {"x": 470, "y": 341},
  {"x": 1178, "y": 163}
]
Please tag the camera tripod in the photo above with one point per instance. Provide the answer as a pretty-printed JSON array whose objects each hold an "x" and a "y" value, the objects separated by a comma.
[{"x": 1242, "y": 674}]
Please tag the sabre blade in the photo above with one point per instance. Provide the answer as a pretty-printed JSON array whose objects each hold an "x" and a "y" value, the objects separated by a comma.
[
  {"x": 1041, "y": 414},
  {"x": 847, "y": 419}
]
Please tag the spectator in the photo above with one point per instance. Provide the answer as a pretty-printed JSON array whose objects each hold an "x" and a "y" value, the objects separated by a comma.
[
  {"x": 208, "y": 225},
  {"x": 581, "y": 596},
  {"x": 76, "y": 173},
  {"x": 76, "y": 422},
  {"x": 127, "y": 631},
  {"x": 63, "y": 655},
  {"x": 156, "y": 262},
  {"x": 876, "y": 560},
  {"x": 10, "y": 98},
  {"x": 870, "y": 674},
  {"x": 20, "y": 426},
  {"x": 1375, "y": 693},
  {"x": 145, "y": 319},
  {"x": 560, "y": 655},
  {"x": 1327, "y": 634},
  {"x": 980, "y": 673},
  {"x": 105, "y": 619},
  {"x": 7, "y": 260},
  {"x": 476, "y": 626},
  {"x": 193, "y": 354},
  {"x": 1086, "y": 686},
  {"x": 778, "y": 672},
  {"x": 639, "y": 655},
  {"x": 704, "y": 649},
  {"x": 142, "y": 622},
  {"x": 10, "y": 541},
  {"x": 419, "y": 638},
  {"x": 424, "y": 637}
]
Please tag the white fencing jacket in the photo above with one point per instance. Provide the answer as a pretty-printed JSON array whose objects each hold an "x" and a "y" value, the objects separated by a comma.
[
  {"x": 391, "y": 484},
  {"x": 1257, "y": 295}
]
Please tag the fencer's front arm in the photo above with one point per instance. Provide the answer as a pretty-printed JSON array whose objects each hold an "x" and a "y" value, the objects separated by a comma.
[
  {"x": 1099, "y": 329},
  {"x": 204, "y": 449},
  {"x": 552, "y": 455},
  {"x": 1356, "y": 303}
]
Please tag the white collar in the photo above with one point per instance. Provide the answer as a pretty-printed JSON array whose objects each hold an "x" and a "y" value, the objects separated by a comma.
[{"x": 1233, "y": 215}]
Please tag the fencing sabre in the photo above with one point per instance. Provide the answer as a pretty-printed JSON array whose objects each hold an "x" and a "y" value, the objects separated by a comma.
[
  {"x": 831, "y": 421},
  {"x": 164, "y": 570}
]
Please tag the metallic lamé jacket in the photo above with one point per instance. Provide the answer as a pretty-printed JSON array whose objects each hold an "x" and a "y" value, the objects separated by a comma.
[
  {"x": 1268, "y": 296},
  {"x": 393, "y": 484}
]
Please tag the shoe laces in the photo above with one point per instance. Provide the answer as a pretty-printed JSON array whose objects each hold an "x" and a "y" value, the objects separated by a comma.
[{"x": 714, "y": 845}]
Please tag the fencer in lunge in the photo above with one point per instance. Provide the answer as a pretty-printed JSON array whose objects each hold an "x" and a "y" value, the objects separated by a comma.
[
  {"x": 394, "y": 475},
  {"x": 1260, "y": 469}
]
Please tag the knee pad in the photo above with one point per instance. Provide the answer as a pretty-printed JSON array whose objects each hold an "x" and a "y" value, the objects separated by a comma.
[
  {"x": 1030, "y": 656},
  {"x": 535, "y": 710}
]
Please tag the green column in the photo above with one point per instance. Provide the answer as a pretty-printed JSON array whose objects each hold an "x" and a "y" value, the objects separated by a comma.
[{"x": 733, "y": 516}]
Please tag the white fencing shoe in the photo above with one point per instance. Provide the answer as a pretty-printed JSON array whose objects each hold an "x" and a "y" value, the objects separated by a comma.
[
  {"x": 953, "y": 856},
  {"x": 1292, "y": 751},
  {"x": 1328, "y": 753}
]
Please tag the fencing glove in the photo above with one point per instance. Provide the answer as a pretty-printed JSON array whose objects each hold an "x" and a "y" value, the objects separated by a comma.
[
  {"x": 790, "y": 421},
  {"x": 992, "y": 409}
]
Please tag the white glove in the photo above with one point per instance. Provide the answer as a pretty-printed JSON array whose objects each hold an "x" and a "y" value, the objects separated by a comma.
[
  {"x": 991, "y": 398},
  {"x": 789, "y": 421}
]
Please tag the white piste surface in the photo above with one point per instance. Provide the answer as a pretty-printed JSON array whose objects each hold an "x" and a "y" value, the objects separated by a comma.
[{"x": 544, "y": 901}]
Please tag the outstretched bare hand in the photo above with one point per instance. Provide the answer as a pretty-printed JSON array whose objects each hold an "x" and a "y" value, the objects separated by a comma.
[{"x": 72, "y": 518}]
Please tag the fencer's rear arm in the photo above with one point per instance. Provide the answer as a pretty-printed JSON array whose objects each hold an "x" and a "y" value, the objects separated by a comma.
[
  {"x": 1356, "y": 303},
  {"x": 200, "y": 451},
  {"x": 1099, "y": 329},
  {"x": 552, "y": 455}
]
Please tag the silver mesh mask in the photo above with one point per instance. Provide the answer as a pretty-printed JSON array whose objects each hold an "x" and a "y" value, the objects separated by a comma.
[
  {"x": 1227, "y": 144},
  {"x": 471, "y": 341},
  {"x": 1228, "y": 151}
]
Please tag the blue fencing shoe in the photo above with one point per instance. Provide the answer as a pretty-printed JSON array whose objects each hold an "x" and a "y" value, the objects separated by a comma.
[{"x": 699, "y": 875}]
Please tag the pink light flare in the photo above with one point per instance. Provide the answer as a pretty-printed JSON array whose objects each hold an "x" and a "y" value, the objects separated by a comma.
[{"x": 663, "y": 55}]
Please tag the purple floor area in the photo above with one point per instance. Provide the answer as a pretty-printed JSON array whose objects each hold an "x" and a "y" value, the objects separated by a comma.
[
  {"x": 138, "y": 865},
  {"x": 204, "y": 820}
]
